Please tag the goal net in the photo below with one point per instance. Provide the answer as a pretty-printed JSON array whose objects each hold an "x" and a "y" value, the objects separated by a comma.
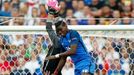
[{"x": 23, "y": 49}]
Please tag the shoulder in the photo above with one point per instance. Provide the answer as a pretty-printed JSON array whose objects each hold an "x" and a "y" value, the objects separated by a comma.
[{"x": 73, "y": 32}]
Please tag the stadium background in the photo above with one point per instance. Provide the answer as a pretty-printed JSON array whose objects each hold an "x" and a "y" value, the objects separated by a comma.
[{"x": 19, "y": 52}]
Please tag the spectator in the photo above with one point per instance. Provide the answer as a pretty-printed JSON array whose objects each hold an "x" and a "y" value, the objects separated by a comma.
[
  {"x": 20, "y": 68},
  {"x": 21, "y": 20},
  {"x": 62, "y": 12},
  {"x": 40, "y": 49},
  {"x": 112, "y": 53},
  {"x": 87, "y": 12},
  {"x": 132, "y": 14},
  {"x": 41, "y": 55},
  {"x": 133, "y": 5},
  {"x": 17, "y": 40},
  {"x": 15, "y": 4},
  {"x": 6, "y": 9},
  {"x": 104, "y": 21},
  {"x": 35, "y": 13},
  {"x": 24, "y": 10},
  {"x": 92, "y": 21},
  {"x": 116, "y": 14},
  {"x": 73, "y": 21},
  {"x": 5, "y": 67},
  {"x": 75, "y": 5},
  {"x": 113, "y": 4},
  {"x": 43, "y": 12},
  {"x": 69, "y": 13},
  {"x": 125, "y": 60},
  {"x": 2, "y": 42},
  {"x": 96, "y": 7},
  {"x": 42, "y": 22},
  {"x": 96, "y": 4},
  {"x": 132, "y": 52},
  {"x": 116, "y": 68},
  {"x": 83, "y": 22},
  {"x": 126, "y": 21},
  {"x": 23, "y": 13},
  {"x": 34, "y": 20},
  {"x": 29, "y": 46},
  {"x": 79, "y": 13},
  {"x": 127, "y": 11},
  {"x": 33, "y": 61},
  {"x": 21, "y": 50},
  {"x": 106, "y": 12},
  {"x": 15, "y": 14}
]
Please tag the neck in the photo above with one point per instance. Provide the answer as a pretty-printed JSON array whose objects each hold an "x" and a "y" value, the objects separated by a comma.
[
  {"x": 67, "y": 31},
  {"x": 7, "y": 9}
]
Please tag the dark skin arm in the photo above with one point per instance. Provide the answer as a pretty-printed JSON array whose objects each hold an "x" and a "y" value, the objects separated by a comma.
[
  {"x": 61, "y": 63},
  {"x": 70, "y": 52}
]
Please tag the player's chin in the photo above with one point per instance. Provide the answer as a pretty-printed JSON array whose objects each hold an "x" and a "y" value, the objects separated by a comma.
[{"x": 63, "y": 35}]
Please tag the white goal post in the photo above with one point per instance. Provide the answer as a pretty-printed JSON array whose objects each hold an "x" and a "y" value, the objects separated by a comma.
[
  {"x": 86, "y": 30},
  {"x": 76, "y": 27}
]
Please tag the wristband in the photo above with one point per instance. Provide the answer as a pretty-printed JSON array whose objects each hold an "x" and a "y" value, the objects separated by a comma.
[{"x": 57, "y": 56}]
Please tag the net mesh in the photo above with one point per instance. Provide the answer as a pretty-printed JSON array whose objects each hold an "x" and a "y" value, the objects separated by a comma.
[{"x": 24, "y": 53}]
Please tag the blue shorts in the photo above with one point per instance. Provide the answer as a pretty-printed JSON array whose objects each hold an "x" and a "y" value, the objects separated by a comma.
[{"x": 85, "y": 66}]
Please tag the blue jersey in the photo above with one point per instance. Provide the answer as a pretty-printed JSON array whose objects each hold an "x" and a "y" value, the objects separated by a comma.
[
  {"x": 82, "y": 60},
  {"x": 73, "y": 37}
]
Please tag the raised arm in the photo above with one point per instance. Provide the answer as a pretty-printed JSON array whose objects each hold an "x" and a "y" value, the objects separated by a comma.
[{"x": 54, "y": 38}]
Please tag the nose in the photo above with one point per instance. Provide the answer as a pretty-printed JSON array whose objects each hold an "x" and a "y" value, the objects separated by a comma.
[{"x": 59, "y": 33}]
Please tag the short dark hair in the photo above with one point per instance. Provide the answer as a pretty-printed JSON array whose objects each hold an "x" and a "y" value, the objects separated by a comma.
[
  {"x": 59, "y": 24},
  {"x": 59, "y": 21}
]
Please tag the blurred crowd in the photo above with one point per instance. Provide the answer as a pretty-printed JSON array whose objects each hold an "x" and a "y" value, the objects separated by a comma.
[
  {"x": 18, "y": 54},
  {"x": 76, "y": 12},
  {"x": 113, "y": 56},
  {"x": 23, "y": 54}
]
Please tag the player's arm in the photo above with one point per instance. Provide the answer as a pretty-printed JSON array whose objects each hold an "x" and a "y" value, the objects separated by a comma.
[
  {"x": 50, "y": 30},
  {"x": 53, "y": 11},
  {"x": 71, "y": 50},
  {"x": 60, "y": 65}
]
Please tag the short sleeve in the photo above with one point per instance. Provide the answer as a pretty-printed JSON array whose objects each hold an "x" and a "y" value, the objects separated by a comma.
[{"x": 74, "y": 37}]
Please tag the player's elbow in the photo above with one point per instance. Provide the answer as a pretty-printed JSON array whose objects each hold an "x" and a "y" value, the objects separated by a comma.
[
  {"x": 72, "y": 52},
  {"x": 73, "y": 49}
]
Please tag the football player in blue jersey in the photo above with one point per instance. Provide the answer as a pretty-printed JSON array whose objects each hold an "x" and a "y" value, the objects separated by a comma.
[{"x": 75, "y": 48}]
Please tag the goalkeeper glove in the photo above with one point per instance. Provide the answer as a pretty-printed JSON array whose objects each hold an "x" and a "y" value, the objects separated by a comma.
[{"x": 53, "y": 7}]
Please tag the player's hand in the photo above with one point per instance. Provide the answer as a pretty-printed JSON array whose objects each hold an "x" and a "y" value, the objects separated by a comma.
[{"x": 50, "y": 58}]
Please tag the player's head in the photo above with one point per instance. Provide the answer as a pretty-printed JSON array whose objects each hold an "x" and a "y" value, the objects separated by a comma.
[{"x": 61, "y": 27}]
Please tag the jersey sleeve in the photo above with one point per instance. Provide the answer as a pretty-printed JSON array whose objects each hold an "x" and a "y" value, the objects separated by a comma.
[
  {"x": 74, "y": 37},
  {"x": 53, "y": 36}
]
